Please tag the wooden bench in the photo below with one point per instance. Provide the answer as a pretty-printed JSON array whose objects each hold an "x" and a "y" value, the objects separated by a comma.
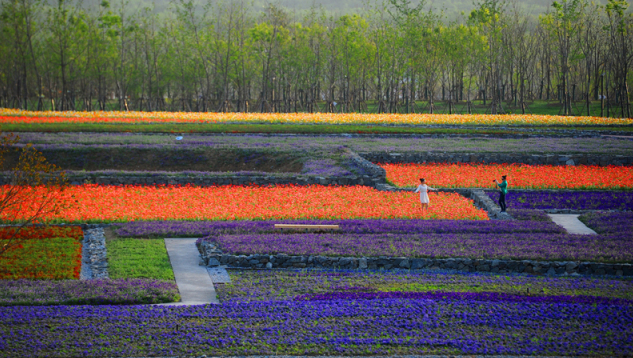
[{"x": 306, "y": 227}]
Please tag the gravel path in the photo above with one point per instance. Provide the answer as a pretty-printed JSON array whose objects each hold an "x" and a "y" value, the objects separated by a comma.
[{"x": 94, "y": 262}]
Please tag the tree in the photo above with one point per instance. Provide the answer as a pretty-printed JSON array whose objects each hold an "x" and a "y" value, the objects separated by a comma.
[
  {"x": 488, "y": 16},
  {"x": 619, "y": 31},
  {"x": 33, "y": 189},
  {"x": 565, "y": 26}
]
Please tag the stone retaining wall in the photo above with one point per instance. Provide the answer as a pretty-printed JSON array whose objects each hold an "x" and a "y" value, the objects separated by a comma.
[
  {"x": 94, "y": 262},
  {"x": 208, "y": 180},
  {"x": 211, "y": 256},
  {"x": 483, "y": 201},
  {"x": 369, "y": 167},
  {"x": 552, "y": 159}
]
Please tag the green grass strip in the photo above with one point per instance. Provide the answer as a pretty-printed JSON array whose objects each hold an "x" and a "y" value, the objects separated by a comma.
[{"x": 138, "y": 258}]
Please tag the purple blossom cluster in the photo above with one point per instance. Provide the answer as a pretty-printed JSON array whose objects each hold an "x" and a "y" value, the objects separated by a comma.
[
  {"x": 90, "y": 292},
  {"x": 415, "y": 226},
  {"x": 574, "y": 200},
  {"x": 389, "y": 326},
  {"x": 559, "y": 247}
]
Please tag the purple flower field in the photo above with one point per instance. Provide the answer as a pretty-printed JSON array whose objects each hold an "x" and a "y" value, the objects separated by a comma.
[
  {"x": 465, "y": 296},
  {"x": 530, "y": 239},
  {"x": 551, "y": 247},
  {"x": 611, "y": 224},
  {"x": 216, "y": 228},
  {"x": 92, "y": 292},
  {"x": 577, "y": 200},
  {"x": 385, "y": 326},
  {"x": 276, "y": 285},
  {"x": 529, "y": 215}
]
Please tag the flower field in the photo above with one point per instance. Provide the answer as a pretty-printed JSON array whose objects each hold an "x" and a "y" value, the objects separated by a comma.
[
  {"x": 345, "y": 313},
  {"x": 609, "y": 223},
  {"x": 277, "y": 285},
  {"x": 46, "y": 311},
  {"x": 467, "y": 175},
  {"x": 577, "y": 200},
  {"x": 474, "y": 246},
  {"x": 41, "y": 253},
  {"x": 43, "y": 257},
  {"x": 32, "y": 117},
  {"x": 161, "y": 229},
  {"x": 98, "y": 203},
  {"x": 90, "y": 292}
]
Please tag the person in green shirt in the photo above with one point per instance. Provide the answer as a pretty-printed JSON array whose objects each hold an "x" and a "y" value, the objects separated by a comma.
[{"x": 503, "y": 190}]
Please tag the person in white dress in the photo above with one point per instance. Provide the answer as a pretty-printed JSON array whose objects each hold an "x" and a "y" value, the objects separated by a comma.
[{"x": 424, "y": 196}]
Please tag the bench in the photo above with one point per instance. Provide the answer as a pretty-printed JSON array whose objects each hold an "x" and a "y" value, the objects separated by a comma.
[{"x": 306, "y": 227}]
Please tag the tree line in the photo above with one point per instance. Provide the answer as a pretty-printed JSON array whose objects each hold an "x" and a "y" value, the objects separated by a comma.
[{"x": 391, "y": 57}]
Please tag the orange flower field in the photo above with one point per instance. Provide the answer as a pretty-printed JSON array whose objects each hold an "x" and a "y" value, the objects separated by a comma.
[
  {"x": 98, "y": 203},
  {"x": 32, "y": 117},
  {"x": 519, "y": 176}
]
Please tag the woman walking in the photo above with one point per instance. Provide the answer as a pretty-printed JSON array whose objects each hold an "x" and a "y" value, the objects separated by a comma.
[{"x": 424, "y": 197}]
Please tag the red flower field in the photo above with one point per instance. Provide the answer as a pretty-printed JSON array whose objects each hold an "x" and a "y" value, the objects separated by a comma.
[
  {"x": 98, "y": 203},
  {"x": 519, "y": 176}
]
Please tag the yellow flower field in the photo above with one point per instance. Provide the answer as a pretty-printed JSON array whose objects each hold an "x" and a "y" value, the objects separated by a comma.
[{"x": 33, "y": 117}]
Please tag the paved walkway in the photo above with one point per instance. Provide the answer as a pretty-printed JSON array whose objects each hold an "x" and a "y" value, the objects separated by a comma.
[
  {"x": 571, "y": 223},
  {"x": 194, "y": 282}
]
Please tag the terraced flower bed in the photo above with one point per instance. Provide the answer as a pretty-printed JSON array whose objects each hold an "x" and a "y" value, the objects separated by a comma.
[
  {"x": 247, "y": 285},
  {"x": 41, "y": 253},
  {"x": 331, "y": 312},
  {"x": 33, "y": 117},
  {"x": 576, "y": 200},
  {"x": 92, "y": 292},
  {"x": 97, "y": 203},
  {"x": 609, "y": 223},
  {"x": 308, "y": 144},
  {"x": 318, "y": 315},
  {"x": 144, "y": 229},
  {"x": 519, "y": 176},
  {"x": 548, "y": 247}
]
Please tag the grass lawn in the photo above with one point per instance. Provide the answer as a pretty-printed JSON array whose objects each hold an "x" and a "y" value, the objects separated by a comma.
[{"x": 138, "y": 258}]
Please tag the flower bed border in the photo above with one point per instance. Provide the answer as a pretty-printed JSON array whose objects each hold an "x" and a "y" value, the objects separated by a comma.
[{"x": 211, "y": 256}]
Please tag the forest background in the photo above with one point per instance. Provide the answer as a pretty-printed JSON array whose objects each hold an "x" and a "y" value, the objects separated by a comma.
[{"x": 491, "y": 56}]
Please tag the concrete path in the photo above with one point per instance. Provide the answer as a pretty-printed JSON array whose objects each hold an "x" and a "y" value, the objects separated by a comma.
[
  {"x": 194, "y": 282},
  {"x": 571, "y": 223}
]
